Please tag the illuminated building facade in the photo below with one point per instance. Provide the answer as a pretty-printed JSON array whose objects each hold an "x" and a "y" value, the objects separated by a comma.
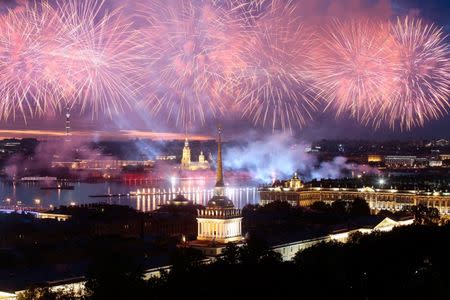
[
  {"x": 188, "y": 164},
  {"x": 378, "y": 199},
  {"x": 374, "y": 158},
  {"x": 289, "y": 249},
  {"x": 399, "y": 160},
  {"x": 444, "y": 156},
  {"x": 294, "y": 183},
  {"x": 102, "y": 164}
]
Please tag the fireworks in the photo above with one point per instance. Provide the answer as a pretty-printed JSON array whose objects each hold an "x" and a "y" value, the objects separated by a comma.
[
  {"x": 100, "y": 55},
  {"x": 26, "y": 80},
  {"x": 191, "y": 58},
  {"x": 353, "y": 67},
  {"x": 421, "y": 75},
  {"x": 274, "y": 87},
  {"x": 379, "y": 72},
  {"x": 194, "y": 61},
  {"x": 67, "y": 53}
]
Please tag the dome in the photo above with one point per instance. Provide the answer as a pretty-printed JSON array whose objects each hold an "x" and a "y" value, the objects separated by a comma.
[
  {"x": 180, "y": 200},
  {"x": 220, "y": 202}
]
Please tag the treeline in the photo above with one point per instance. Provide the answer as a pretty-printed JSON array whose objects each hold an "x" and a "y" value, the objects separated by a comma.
[{"x": 408, "y": 263}]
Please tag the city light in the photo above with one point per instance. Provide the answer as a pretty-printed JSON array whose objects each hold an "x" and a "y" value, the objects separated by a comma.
[{"x": 173, "y": 181}]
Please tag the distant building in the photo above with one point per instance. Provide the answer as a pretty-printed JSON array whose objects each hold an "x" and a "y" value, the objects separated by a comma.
[
  {"x": 378, "y": 199},
  {"x": 166, "y": 157},
  {"x": 435, "y": 163},
  {"x": 102, "y": 164},
  {"x": 177, "y": 218},
  {"x": 374, "y": 158},
  {"x": 295, "y": 183},
  {"x": 399, "y": 160},
  {"x": 442, "y": 143},
  {"x": 188, "y": 164},
  {"x": 444, "y": 156},
  {"x": 366, "y": 225}
]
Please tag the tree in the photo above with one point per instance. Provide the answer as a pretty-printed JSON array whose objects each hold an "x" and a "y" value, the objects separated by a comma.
[
  {"x": 257, "y": 251},
  {"x": 113, "y": 275},
  {"x": 230, "y": 254},
  {"x": 320, "y": 206},
  {"x": 46, "y": 293},
  {"x": 359, "y": 207},
  {"x": 424, "y": 215},
  {"x": 339, "y": 207},
  {"x": 185, "y": 259}
]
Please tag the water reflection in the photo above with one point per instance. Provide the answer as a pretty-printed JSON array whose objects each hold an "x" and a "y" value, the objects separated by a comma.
[
  {"x": 25, "y": 194},
  {"x": 149, "y": 199}
]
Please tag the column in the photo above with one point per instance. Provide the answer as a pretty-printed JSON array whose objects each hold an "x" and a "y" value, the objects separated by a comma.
[{"x": 240, "y": 227}]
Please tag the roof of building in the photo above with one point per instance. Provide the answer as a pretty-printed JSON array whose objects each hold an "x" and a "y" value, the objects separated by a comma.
[
  {"x": 222, "y": 202},
  {"x": 180, "y": 200}
]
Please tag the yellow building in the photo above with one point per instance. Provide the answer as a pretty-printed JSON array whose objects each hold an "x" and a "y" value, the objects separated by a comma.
[
  {"x": 374, "y": 158},
  {"x": 187, "y": 164},
  {"x": 378, "y": 199},
  {"x": 294, "y": 183}
]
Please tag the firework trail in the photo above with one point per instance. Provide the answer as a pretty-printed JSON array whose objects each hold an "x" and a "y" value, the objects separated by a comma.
[
  {"x": 353, "y": 68},
  {"x": 191, "y": 58},
  {"x": 72, "y": 54},
  {"x": 28, "y": 79},
  {"x": 421, "y": 75},
  {"x": 100, "y": 53},
  {"x": 274, "y": 87}
]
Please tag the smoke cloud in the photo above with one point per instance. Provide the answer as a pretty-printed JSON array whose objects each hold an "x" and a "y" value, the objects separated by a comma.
[
  {"x": 48, "y": 152},
  {"x": 278, "y": 156}
]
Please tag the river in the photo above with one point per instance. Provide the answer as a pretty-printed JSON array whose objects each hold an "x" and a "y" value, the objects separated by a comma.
[{"x": 31, "y": 195}]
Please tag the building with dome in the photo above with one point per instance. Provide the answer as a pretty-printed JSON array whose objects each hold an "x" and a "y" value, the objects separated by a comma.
[
  {"x": 220, "y": 222},
  {"x": 188, "y": 164}
]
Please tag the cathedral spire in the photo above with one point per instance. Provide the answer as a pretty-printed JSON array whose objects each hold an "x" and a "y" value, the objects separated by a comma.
[{"x": 219, "y": 173}]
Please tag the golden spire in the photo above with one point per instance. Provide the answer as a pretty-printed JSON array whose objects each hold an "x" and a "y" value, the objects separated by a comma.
[{"x": 219, "y": 174}]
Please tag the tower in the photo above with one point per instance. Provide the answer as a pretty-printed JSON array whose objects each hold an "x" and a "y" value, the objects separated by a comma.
[
  {"x": 220, "y": 222},
  {"x": 186, "y": 157},
  {"x": 201, "y": 158},
  {"x": 67, "y": 123},
  {"x": 295, "y": 183}
]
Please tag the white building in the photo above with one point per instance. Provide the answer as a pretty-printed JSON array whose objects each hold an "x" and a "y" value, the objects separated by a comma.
[{"x": 220, "y": 223}]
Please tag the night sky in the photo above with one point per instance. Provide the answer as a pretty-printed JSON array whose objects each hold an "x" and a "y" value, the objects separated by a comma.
[{"x": 324, "y": 125}]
